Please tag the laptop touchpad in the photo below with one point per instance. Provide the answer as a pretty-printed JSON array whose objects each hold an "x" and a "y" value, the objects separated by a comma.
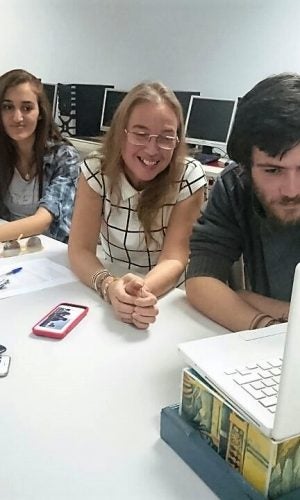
[{"x": 264, "y": 332}]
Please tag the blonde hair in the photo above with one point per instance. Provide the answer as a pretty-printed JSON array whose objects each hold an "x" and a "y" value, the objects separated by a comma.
[{"x": 165, "y": 185}]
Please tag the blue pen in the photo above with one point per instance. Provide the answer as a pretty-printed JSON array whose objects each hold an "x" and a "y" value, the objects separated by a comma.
[{"x": 13, "y": 271}]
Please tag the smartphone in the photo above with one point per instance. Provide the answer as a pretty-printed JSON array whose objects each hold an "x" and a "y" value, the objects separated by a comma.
[
  {"x": 60, "y": 320},
  {"x": 4, "y": 365}
]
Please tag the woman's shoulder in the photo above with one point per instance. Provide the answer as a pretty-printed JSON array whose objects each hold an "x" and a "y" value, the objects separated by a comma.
[
  {"x": 192, "y": 165},
  {"x": 193, "y": 170},
  {"x": 61, "y": 148},
  {"x": 92, "y": 164},
  {"x": 92, "y": 171},
  {"x": 192, "y": 178}
]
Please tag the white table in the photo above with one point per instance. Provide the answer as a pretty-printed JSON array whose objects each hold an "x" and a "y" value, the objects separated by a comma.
[{"x": 80, "y": 416}]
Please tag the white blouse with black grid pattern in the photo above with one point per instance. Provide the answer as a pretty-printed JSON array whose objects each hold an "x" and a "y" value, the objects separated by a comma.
[{"x": 122, "y": 235}]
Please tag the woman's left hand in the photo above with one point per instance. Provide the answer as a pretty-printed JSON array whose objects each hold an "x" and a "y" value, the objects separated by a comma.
[
  {"x": 132, "y": 301},
  {"x": 145, "y": 310}
]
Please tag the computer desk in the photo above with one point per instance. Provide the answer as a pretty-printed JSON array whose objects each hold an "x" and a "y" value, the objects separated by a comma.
[{"x": 80, "y": 416}]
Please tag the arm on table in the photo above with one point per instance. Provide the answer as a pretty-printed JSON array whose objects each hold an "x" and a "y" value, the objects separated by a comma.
[
  {"x": 85, "y": 229},
  {"x": 60, "y": 179},
  {"x": 171, "y": 263},
  {"x": 34, "y": 224},
  {"x": 276, "y": 308},
  {"x": 175, "y": 252},
  {"x": 217, "y": 301},
  {"x": 84, "y": 232},
  {"x": 57, "y": 200}
]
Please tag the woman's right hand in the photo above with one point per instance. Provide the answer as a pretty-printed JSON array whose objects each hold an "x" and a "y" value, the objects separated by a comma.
[{"x": 132, "y": 301}]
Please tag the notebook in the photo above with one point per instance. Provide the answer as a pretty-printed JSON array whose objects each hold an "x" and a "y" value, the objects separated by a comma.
[{"x": 223, "y": 360}]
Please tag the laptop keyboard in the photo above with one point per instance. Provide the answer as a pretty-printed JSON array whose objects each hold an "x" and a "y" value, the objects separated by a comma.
[{"x": 260, "y": 380}]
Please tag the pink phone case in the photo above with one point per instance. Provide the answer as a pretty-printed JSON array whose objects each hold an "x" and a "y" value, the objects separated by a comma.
[{"x": 60, "y": 335}]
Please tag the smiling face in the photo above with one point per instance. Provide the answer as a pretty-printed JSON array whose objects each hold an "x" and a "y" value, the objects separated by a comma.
[
  {"x": 277, "y": 184},
  {"x": 20, "y": 113},
  {"x": 144, "y": 163}
]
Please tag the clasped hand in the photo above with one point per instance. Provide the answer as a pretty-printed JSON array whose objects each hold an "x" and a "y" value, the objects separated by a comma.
[{"x": 132, "y": 301}]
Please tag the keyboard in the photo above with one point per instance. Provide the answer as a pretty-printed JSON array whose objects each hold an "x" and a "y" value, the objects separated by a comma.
[
  {"x": 206, "y": 158},
  {"x": 260, "y": 380}
]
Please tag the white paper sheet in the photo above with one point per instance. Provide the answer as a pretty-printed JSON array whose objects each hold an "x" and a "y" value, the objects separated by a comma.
[{"x": 36, "y": 274}]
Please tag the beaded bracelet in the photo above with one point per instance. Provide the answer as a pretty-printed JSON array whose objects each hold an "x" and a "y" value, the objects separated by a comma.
[
  {"x": 283, "y": 319},
  {"x": 257, "y": 319},
  {"x": 272, "y": 321}
]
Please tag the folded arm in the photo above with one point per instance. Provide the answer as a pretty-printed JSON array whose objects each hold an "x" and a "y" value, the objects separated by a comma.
[
  {"x": 174, "y": 255},
  {"x": 60, "y": 176},
  {"x": 37, "y": 223},
  {"x": 130, "y": 298},
  {"x": 84, "y": 232},
  {"x": 60, "y": 179},
  {"x": 217, "y": 242},
  {"x": 233, "y": 310}
]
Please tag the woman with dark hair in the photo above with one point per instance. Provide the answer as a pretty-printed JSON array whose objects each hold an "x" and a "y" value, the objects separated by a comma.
[
  {"x": 38, "y": 168},
  {"x": 142, "y": 194}
]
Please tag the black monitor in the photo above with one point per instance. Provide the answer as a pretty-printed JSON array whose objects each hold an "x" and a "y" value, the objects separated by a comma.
[
  {"x": 112, "y": 99},
  {"x": 51, "y": 92},
  {"x": 209, "y": 122},
  {"x": 184, "y": 97},
  {"x": 89, "y": 105}
]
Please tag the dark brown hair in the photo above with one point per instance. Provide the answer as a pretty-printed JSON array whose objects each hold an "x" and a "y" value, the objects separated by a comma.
[
  {"x": 267, "y": 117},
  {"x": 46, "y": 128}
]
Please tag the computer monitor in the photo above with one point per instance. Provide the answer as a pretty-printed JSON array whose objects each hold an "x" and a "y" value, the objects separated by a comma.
[
  {"x": 209, "y": 122},
  {"x": 89, "y": 105},
  {"x": 51, "y": 92},
  {"x": 184, "y": 97},
  {"x": 111, "y": 101}
]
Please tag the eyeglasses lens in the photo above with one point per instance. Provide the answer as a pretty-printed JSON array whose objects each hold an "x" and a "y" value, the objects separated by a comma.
[{"x": 162, "y": 142}]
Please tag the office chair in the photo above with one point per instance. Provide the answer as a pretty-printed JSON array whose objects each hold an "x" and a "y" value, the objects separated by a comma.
[{"x": 66, "y": 116}]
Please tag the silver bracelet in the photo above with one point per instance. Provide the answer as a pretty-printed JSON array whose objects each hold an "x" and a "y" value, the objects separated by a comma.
[
  {"x": 96, "y": 276},
  {"x": 99, "y": 282}
]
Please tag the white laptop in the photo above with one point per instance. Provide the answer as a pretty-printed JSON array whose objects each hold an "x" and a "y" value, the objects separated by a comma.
[{"x": 245, "y": 368}]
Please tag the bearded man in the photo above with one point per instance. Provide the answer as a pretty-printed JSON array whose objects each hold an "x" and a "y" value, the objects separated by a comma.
[{"x": 253, "y": 211}]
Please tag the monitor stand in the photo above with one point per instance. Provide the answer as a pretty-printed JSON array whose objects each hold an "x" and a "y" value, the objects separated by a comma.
[{"x": 206, "y": 155}]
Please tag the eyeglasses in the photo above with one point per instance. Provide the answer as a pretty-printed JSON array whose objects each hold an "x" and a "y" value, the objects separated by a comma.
[
  {"x": 167, "y": 142},
  {"x": 15, "y": 247}
]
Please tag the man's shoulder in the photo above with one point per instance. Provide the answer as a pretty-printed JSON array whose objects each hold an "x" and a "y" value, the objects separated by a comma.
[
  {"x": 232, "y": 191},
  {"x": 235, "y": 181},
  {"x": 235, "y": 172}
]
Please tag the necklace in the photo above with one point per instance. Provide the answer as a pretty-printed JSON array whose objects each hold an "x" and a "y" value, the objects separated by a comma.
[{"x": 29, "y": 171}]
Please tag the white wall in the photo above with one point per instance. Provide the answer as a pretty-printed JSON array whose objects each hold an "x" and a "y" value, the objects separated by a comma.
[{"x": 221, "y": 47}]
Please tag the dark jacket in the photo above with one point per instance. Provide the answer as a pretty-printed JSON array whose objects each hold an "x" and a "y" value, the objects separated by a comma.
[{"x": 234, "y": 223}]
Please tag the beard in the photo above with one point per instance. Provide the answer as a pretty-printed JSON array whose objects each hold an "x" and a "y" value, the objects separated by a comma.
[{"x": 283, "y": 211}]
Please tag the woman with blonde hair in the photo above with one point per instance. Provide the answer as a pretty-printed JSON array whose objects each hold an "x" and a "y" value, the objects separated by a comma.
[
  {"x": 38, "y": 168},
  {"x": 142, "y": 194}
]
